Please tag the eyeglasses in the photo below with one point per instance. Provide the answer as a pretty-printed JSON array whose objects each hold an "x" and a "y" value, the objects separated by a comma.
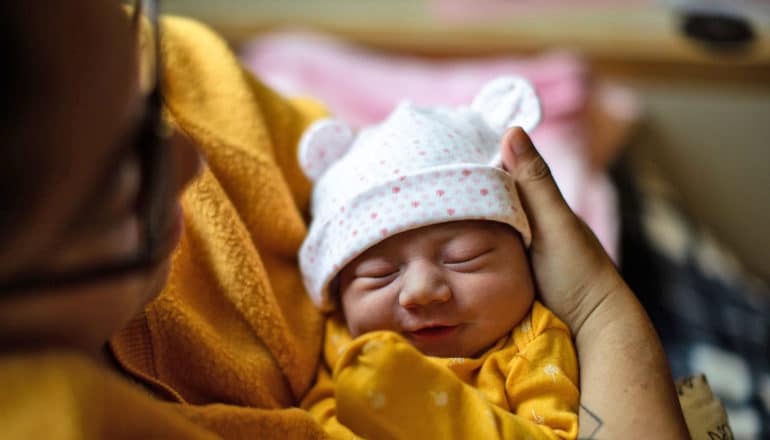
[{"x": 152, "y": 148}]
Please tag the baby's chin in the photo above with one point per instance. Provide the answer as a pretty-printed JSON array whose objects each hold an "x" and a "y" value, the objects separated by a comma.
[
  {"x": 452, "y": 348},
  {"x": 447, "y": 353},
  {"x": 453, "y": 353}
]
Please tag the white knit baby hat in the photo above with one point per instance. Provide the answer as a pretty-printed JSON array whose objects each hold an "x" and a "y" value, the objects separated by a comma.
[{"x": 420, "y": 166}]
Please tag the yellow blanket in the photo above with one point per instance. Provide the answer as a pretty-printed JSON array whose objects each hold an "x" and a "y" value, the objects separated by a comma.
[{"x": 234, "y": 325}]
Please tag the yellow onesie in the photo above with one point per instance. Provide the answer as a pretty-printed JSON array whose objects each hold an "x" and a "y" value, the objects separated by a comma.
[{"x": 379, "y": 386}]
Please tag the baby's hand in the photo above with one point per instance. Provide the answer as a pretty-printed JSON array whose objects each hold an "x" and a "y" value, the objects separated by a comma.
[
  {"x": 386, "y": 388},
  {"x": 383, "y": 367}
]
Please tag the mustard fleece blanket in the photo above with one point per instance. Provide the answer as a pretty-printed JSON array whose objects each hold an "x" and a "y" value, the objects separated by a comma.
[{"x": 233, "y": 329}]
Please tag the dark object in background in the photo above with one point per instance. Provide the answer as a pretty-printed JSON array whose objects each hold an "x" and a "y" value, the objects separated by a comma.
[
  {"x": 718, "y": 31},
  {"x": 711, "y": 315}
]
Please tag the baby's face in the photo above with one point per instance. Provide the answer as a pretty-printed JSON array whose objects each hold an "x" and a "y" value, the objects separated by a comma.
[{"x": 452, "y": 289}]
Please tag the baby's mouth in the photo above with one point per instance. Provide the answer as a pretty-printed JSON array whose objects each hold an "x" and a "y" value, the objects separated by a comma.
[{"x": 433, "y": 333}]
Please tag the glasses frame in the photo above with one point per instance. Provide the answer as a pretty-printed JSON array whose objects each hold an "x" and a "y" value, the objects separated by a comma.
[{"x": 154, "y": 201}]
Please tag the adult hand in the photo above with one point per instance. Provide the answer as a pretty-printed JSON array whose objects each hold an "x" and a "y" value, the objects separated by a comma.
[
  {"x": 624, "y": 377},
  {"x": 573, "y": 273}
]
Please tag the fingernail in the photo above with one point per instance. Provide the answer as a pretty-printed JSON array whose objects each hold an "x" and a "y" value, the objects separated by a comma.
[{"x": 519, "y": 141}]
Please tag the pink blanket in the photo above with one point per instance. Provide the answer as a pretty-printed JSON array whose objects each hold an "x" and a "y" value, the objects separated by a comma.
[{"x": 362, "y": 86}]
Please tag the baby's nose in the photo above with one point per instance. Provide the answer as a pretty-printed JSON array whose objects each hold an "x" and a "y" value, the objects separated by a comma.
[{"x": 423, "y": 284}]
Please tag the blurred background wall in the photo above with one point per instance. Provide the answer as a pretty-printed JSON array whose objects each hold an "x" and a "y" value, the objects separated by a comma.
[{"x": 704, "y": 83}]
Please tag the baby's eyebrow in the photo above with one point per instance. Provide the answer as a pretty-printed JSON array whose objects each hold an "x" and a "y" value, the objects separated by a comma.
[
  {"x": 468, "y": 238},
  {"x": 467, "y": 248},
  {"x": 374, "y": 264}
]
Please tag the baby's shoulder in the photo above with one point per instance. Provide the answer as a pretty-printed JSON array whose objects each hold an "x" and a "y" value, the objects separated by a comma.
[{"x": 539, "y": 321}]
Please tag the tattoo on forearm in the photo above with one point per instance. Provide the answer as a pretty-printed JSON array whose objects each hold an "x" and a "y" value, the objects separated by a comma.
[{"x": 590, "y": 423}]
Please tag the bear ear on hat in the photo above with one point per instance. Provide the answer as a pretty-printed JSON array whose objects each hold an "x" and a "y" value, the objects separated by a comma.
[
  {"x": 322, "y": 144},
  {"x": 508, "y": 101}
]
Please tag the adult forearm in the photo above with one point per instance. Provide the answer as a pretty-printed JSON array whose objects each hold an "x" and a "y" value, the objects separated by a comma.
[{"x": 626, "y": 385}]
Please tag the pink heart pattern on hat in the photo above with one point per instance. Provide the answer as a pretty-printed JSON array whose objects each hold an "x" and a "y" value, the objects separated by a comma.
[{"x": 421, "y": 166}]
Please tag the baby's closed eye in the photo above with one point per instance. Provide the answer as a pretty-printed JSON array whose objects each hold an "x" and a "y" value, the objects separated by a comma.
[
  {"x": 467, "y": 259},
  {"x": 375, "y": 272}
]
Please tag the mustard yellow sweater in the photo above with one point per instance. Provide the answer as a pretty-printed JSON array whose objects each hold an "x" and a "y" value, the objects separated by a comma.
[
  {"x": 233, "y": 340},
  {"x": 379, "y": 386}
]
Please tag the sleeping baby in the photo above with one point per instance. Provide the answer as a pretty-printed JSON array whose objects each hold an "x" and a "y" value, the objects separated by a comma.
[{"x": 417, "y": 253}]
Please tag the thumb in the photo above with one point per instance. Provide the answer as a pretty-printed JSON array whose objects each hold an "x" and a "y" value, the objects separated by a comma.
[
  {"x": 572, "y": 271},
  {"x": 547, "y": 211}
]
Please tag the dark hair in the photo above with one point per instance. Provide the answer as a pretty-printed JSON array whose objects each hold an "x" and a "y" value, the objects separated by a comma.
[{"x": 20, "y": 154}]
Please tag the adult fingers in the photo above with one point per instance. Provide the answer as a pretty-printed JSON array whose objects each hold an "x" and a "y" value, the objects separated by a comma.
[{"x": 546, "y": 209}]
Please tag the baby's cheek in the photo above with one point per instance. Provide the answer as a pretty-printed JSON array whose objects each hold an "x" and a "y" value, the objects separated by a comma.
[
  {"x": 504, "y": 299},
  {"x": 368, "y": 313}
]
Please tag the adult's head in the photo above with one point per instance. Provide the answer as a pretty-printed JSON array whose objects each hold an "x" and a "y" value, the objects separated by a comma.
[{"x": 72, "y": 175}]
